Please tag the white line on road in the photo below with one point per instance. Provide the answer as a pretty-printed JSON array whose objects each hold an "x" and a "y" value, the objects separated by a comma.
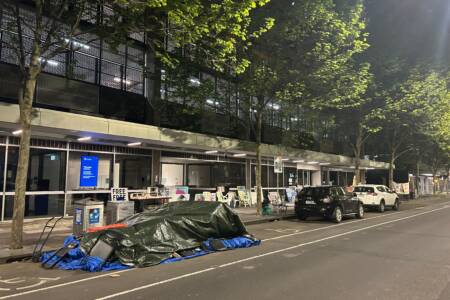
[
  {"x": 263, "y": 255},
  {"x": 327, "y": 227},
  {"x": 220, "y": 266}
]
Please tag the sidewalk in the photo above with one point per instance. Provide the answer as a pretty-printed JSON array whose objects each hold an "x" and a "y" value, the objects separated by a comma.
[{"x": 33, "y": 228}]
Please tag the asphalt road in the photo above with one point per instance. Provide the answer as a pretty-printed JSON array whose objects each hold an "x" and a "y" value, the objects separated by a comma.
[{"x": 395, "y": 255}]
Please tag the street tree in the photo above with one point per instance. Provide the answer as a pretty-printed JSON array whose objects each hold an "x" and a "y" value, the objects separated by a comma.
[
  {"x": 413, "y": 108},
  {"x": 37, "y": 31},
  {"x": 299, "y": 61}
]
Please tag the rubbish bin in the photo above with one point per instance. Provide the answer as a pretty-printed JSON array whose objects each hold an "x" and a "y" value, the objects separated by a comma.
[
  {"x": 87, "y": 214},
  {"x": 116, "y": 211}
]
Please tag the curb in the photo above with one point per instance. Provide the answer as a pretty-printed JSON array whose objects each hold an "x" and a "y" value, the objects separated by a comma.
[{"x": 269, "y": 219}]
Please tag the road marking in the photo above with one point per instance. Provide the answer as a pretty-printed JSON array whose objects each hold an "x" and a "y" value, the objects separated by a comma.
[
  {"x": 262, "y": 255},
  {"x": 329, "y": 226},
  {"x": 42, "y": 280},
  {"x": 220, "y": 266}
]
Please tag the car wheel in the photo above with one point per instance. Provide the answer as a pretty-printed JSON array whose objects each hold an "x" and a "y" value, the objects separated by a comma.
[
  {"x": 337, "y": 215},
  {"x": 302, "y": 216},
  {"x": 396, "y": 205},
  {"x": 360, "y": 213},
  {"x": 381, "y": 207}
]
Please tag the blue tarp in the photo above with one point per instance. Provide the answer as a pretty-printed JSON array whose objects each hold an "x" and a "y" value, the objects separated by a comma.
[{"x": 76, "y": 259}]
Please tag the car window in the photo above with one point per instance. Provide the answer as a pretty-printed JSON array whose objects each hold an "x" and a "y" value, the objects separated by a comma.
[
  {"x": 363, "y": 189},
  {"x": 381, "y": 189},
  {"x": 315, "y": 192}
]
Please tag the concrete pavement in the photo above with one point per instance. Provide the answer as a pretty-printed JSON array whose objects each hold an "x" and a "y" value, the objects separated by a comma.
[{"x": 396, "y": 255}]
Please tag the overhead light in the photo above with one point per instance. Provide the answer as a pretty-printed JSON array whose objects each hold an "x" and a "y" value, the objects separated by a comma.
[
  {"x": 17, "y": 132},
  {"x": 211, "y": 152},
  {"x": 239, "y": 155},
  {"x": 370, "y": 168},
  {"x": 312, "y": 162},
  {"x": 117, "y": 79},
  {"x": 427, "y": 174},
  {"x": 276, "y": 106},
  {"x": 84, "y": 139},
  {"x": 194, "y": 81},
  {"x": 134, "y": 144},
  {"x": 325, "y": 164},
  {"x": 285, "y": 159},
  {"x": 209, "y": 101},
  {"x": 50, "y": 62},
  {"x": 299, "y": 161}
]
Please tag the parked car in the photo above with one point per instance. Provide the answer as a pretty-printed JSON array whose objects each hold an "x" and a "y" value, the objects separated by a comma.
[
  {"x": 377, "y": 196},
  {"x": 331, "y": 202}
]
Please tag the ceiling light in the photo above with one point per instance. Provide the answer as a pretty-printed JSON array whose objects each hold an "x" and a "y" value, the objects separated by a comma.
[
  {"x": 285, "y": 159},
  {"x": 211, "y": 152},
  {"x": 299, "y": 161},
  {"x": 312, "y": 162},
  {"x": 17, "y": 132},
  {"x": 325, "y": 164},
  {"x": 134, "y": 144},
  {"x": 84, "y": 139},
  {"x": 239, "y": 155},
  {"x": 209, "y": 101},
  {"x": 117, "y": 79}
]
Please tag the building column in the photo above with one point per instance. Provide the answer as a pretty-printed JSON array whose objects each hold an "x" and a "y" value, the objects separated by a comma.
[{"x": 156, "y": 167}]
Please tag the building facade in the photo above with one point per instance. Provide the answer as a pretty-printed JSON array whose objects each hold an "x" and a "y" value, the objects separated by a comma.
[{"x": 144, "y": 129}]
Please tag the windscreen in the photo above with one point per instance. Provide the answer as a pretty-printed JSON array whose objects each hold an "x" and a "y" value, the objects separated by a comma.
[
  {"x": 319, "y": 192},
  {"x": 363, "y": 189}
]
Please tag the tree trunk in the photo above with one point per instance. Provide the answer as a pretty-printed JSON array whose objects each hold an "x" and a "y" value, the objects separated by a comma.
[
  {"x": 258, "y": 133},
  {"x": 391, "y": 170},
  {"x": 357, "y": 151},
  {"x": 25, "y": 103}
]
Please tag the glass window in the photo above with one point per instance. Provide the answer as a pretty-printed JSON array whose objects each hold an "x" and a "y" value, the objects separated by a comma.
[
  {"x": 228, "y": 174},
  {"x": 275, "y": 179},
  {"x": 37, "y": 205},
  {"x": 134, "y": 171},
  {"x": 290, "y": 176},
  {"x": 2, "y": 169},
  {"x": 199, "y": 175},
  {"x": 46, "y": 169},
  {"x": 104, "y": 174},
  {"x": 263, "y": 176}
]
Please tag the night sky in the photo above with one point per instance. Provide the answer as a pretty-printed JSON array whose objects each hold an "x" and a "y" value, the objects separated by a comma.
[{"x": 414, "y": 30}]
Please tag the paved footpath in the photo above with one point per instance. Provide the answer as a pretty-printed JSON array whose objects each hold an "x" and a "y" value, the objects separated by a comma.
[{"x": 395, "y": 255}]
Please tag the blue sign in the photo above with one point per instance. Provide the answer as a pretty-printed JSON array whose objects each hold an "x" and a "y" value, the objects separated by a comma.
[
  {"x": 94, "y": 216},
  {"x": 89, "y": 171}
]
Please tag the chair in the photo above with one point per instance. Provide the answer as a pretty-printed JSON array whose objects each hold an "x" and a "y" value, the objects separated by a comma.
[{"x": 243, "y": 198}]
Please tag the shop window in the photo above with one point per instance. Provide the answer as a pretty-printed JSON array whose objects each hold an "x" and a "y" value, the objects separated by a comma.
[
  {"x": 225, "y": 174},
  {"x": 46, "y": 169},
  {"x": 134, "y": 172},
  {"x": 199, "y": 175},
  {"x": 290, "y": 177},
  {"x": 264, "y": 181},
  {"x": 2, "y": 169},
  {"x": 104, "y": 171},
  {"x": 37, "y": 205},
  {"x": 275, "y": 179}
]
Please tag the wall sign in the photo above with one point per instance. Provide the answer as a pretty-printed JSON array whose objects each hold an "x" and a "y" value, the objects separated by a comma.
[
  {"x": 89, "y": 171},
  {"x": 278, "y": 164},
  {"x": 94, "y": 216}
]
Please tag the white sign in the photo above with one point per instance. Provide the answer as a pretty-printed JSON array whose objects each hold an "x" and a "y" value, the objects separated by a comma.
[{"x": 278, "y": 164}]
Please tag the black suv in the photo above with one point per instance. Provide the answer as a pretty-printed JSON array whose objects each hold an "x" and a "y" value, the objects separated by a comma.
[{"x": 329, "y": 201}]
